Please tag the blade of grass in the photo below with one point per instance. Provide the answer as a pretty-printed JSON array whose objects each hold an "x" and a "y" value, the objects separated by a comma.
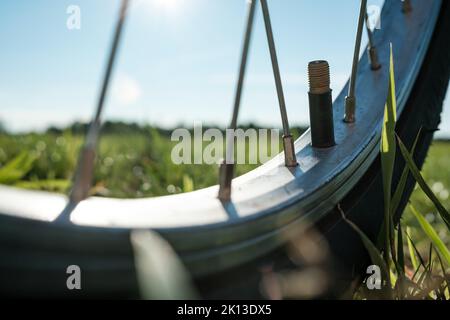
[
  {"x": 17, "y": 168},
  {"x": 400, "y": 252},
  {"x": 432, "y": 235},
  {"x": 444, "y": 274},
  {"x": 423, "y": 185},
  {"x": 421, "y": 290},
  {"x": 160, "y": 272},
  {"x": 430, "y": 260},
  {"x": 399, "y": 264},
  {"x": 188, "y": 183},
  {"x": 411, "y": 249},
  {"x": 429, "y": 279},
  {"x": 395, "y": 202},
  {"x": 399, "y": 191},
  {"x": 416, "y": 273},
  {"x": 410, "y": 288},
  {"x": 388, "y": 150},
  {"x": 394, "y": 278},
  {"x": 422, "y": 262},
  {"x": 46, "y": 185},
  {"x": 375, "y": 255}
]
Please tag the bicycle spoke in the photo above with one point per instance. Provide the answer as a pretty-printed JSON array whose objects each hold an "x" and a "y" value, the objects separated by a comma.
[
  {"x": 85, "y": 169},
  {"x": 372, "y": 50},
  {"x": 288, "y": 141},
  {"x": 350, "y": 100},
  {"x": 227, "y": 167}
]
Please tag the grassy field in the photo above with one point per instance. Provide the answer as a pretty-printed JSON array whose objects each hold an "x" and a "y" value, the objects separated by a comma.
[
  {"x": 137, "y": 164},
  {"x": 436, "y": 172},
  {"x": 132, "y": 164}
]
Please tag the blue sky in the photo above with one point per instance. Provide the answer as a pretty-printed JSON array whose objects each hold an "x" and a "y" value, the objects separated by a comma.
[{"x": 177, "y": 64}]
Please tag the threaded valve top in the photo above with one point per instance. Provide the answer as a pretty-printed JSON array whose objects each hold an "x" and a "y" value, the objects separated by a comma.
[{"x": 319, "y": 77}]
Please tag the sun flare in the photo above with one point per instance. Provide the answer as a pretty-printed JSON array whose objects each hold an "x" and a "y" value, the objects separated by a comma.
[{"x": 164, "y": 5}]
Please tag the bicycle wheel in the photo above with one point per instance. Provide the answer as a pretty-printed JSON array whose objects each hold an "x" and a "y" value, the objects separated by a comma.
[{"x": 224, "y": 245}]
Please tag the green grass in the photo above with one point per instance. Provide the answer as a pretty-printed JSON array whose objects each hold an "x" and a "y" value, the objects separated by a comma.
[
  {"x": 418, "y": 278},
  {"x": 437, "y": 175},
  {"x": 138, "y": 165},
  {"x": 133, "y": 164}
]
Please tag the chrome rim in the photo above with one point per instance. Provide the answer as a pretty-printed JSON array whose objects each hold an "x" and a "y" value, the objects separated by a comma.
[{"x": 271, "y": 201}]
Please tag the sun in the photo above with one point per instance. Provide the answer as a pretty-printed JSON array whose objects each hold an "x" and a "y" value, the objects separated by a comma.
[{"x": 169, "y": 6}]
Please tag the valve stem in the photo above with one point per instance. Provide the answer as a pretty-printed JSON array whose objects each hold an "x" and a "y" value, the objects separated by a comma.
[{"x": 320, "y": 105}]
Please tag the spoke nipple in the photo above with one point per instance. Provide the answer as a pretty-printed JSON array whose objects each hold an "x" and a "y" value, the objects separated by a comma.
[
  {"x": 226, "y": 173},
  {"x": 350, "y": 107},
  {"x": 83, "y": 176},
  {"x": 373, "y": 59},
  {"x": 289, "y": 151},
  {"x": 406, "y": 6},
  {"x": 372, "y": 50},
  {"x": 320, "y": 105}
]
